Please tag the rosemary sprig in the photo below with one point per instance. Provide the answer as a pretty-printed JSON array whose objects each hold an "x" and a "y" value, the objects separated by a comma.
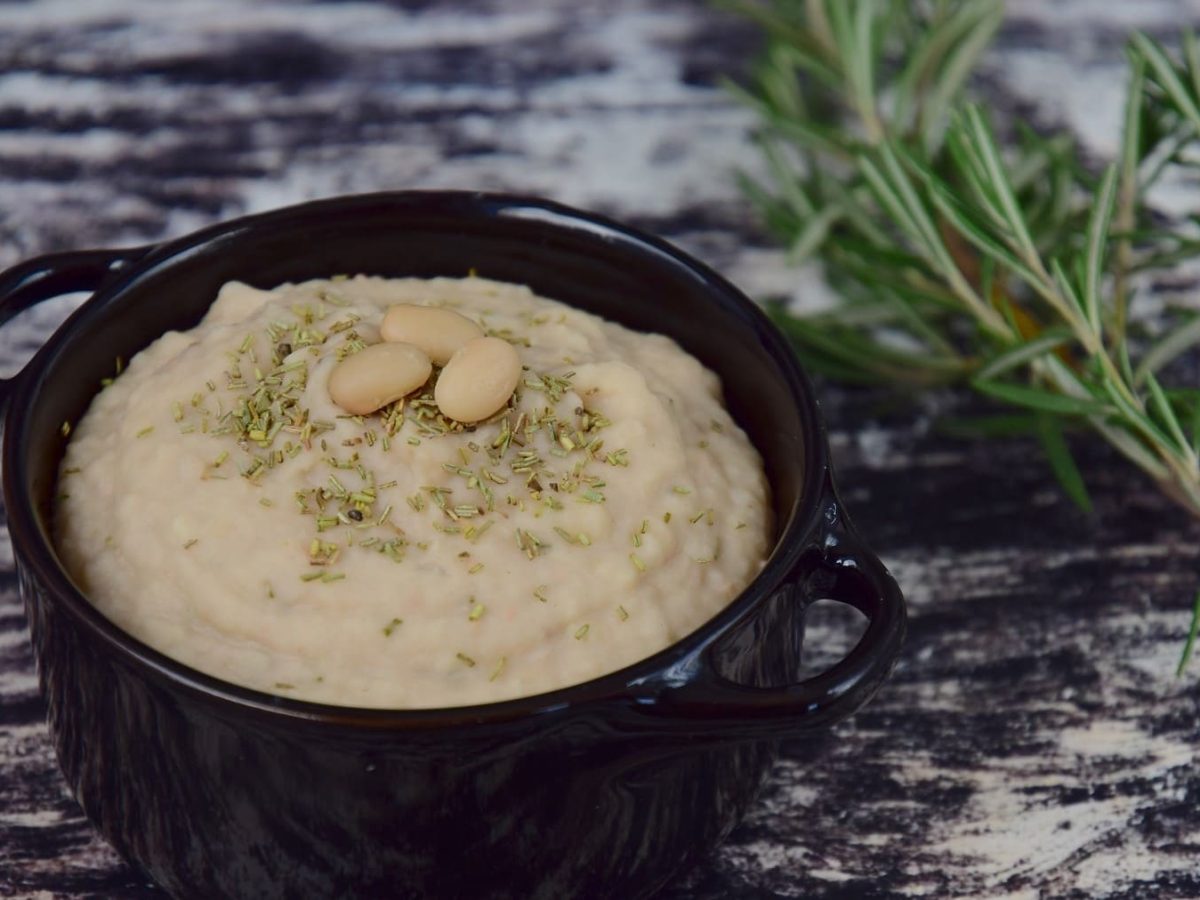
[{"x": 962, "y": 257}]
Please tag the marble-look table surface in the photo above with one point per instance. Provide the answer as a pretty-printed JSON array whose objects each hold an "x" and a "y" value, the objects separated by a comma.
[{"x": 1033, "y": 742}]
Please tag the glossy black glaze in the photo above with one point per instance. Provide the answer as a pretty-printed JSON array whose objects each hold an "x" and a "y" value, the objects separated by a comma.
[{"x": 601, "y": 789}]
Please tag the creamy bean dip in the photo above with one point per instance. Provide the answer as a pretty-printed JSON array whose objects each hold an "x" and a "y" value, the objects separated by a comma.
[{"x": 216, "y": 504}]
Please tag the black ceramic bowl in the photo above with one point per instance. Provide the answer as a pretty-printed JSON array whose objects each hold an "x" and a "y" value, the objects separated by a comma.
[{"x": 603, "y": 789}]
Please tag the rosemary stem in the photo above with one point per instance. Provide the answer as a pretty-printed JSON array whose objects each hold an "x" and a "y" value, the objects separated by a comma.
[{"x": 818, "y": 23}]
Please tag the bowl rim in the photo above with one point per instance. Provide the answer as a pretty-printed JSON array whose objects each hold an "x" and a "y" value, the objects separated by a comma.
[{"x": 639, "y": 683}]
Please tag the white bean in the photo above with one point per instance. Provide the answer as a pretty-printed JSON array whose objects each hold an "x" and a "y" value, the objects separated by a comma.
[
  {"x": 378, "y": 375},
  {"x": 436, "y": 330},
  {"x": 478, "y": 379}
]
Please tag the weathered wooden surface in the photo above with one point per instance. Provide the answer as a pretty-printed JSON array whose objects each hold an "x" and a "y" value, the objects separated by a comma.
[{"x": 1034, "y": 741}]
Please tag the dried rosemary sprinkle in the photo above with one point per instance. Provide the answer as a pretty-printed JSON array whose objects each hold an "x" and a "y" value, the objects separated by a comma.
[
  {"x": 637, "y": 562},
  {"x": 617, "y": 458},
  {"x": 189, "y": 544},
  {"x": 498, "y": 669},
  {"x": 622, "y": 614},
  {"x": 581, "y": 632},
  {"x": 392, "y": 625},
  {"x": 528, "y": 543},
  {"x": 477, "y": 611},
  {"x": 324, "y": 577},
  {"x": 465, "y": 660},
  {"x": 547, "y": 448},
  {"x": 65, "y": 429}
]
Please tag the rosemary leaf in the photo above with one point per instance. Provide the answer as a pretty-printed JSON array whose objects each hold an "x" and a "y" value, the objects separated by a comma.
[
  {"x": 1037, "y": 398},
  {"x": 1050, "y": 434},
  {"x": 1186, "y": 656}
]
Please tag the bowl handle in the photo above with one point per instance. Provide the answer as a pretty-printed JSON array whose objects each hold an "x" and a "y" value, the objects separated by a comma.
[
  {"x": 43, "y": 277},
  {"x": 846, "y": 571}
]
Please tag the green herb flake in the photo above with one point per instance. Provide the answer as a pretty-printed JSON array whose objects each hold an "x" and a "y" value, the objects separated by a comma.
[{"x": 617, "y": 458}]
